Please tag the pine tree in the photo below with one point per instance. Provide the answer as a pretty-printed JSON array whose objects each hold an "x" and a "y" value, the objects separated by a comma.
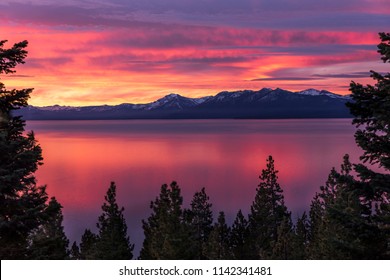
[
  {"x": 200, "y": 219},
  {"x": 283, "y": 247},
  {"x": 238, "y": 237},
  {"x": 218, "y": 244},
  {"x": 321, "y": 226},
  {"x": 301, "y": 238},
  {"x": 316, "y": 219},
  {"x": 167, "y": 235},
  {"x": 356, "y": 234},
  {"x": 371, "y": 110},
  {"x": 382, "y": 220},
  {"x": 113, "y": 242},
  {"x": 88, "y": 250},
  {"x": 267, "y": 214},
  {"x": 48, "y": 241},
  {"x": 347, "y": 229},
  {"x": 22, "y": 202},
  {"x": 74, "y": 253}
]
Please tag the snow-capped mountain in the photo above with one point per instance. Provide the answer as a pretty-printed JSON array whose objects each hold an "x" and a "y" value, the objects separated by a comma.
[
  {"x": 233, "y": 97},
  {"x": 58, "y": 108},
  {"x": 175, "y": 101},
  {"x": 315, "y": 92},
  {"x": 171, "y": 101},
  {"x": 264, "y": 103}
]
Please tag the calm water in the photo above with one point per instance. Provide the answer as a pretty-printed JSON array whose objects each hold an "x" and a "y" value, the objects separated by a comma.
[{"x": 81, "y": 158}]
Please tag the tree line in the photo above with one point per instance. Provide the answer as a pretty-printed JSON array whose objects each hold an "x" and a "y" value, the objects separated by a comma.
[{"x": 349, "y": 217}]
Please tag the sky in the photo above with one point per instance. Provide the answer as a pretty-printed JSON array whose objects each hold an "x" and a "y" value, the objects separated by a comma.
[{"x": 92, "y": 52}]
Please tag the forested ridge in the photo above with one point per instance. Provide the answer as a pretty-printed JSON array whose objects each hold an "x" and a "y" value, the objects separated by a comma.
[{"x": 348, "y": 218}]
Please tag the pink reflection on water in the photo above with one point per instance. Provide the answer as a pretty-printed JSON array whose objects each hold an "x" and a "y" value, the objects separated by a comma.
[{"x": 81, "y": 158}]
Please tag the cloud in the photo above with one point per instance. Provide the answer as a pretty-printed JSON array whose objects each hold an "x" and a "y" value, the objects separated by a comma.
[
  {"x": 344, "y": 75},
  {"x": 315, "y": 76},
  {"x": 224, "y": 6},
  {"x": 55, "y": 61},
  {"x": 19, "y": 76},
  {"x": 278, "y": 14},
  {"x": 178, "y": 36},
  {"x": 285, "y": 79},
  {"x": 132, "y": 51}
]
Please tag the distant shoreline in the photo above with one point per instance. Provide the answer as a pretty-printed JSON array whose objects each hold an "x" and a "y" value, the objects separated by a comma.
[
  {"x": 246, "y": 104},
  {"x": 167, "y": 119}
]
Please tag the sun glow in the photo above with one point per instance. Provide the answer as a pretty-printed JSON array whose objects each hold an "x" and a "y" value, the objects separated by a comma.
[{"x": 100, "y": 59}]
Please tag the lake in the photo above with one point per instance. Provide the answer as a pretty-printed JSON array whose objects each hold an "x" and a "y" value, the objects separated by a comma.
[{"x": 226, "y": 157}]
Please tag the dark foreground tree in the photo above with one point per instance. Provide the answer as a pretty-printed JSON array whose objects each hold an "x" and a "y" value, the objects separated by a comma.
[
  {"x": 113, "y": 242},
  {"x": 88, "y": 250},
  {"x": 200, "y": 219},
  {"x": 218, "y": 243},
  {"x": 371, "y": 110},
  {"x": 22, "y": 202},
  {"x": 267, "y": 214},
  {"x": 167, "y": 235},
  {"x": 316, "y": 219},
  {"x": 301, "y": 238},
  {"x": 238, "y": 237},
  {"x": 346, "y": 228},
  {"x": 48, "y": 241},
  {"x": 74, "y": 253},
  {"x": 283, "y": 247}
]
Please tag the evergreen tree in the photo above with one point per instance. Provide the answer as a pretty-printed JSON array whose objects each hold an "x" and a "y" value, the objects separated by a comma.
[
  {"x": 316, "y": 219},
  {"x": 267, "y": 214},
  {"x": 200, "y": 218},
  {"x": 74, "y": 253},
  {"x": 283, "y": 247},
  {"x": 238, "y": 237},
  {"x": 301, "y": 238},
  {"x": 371, "y": 110},
  {"x": 322, "y": 228},
  {"x": 382, "y": 220},
  {"x": 113, "y": 242},
  {"x": 354, "y": 233},
  {"x": 88, "y": 245},
  {"x": 218, "y": 245},
  {"x": 22, "y": 202},
  {"x": 167, "y": 235},
  {"x": 348, "y": 230},
  {"x": 48, "y": 241}
]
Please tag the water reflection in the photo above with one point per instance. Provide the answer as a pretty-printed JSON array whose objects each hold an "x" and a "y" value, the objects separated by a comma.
[{"x": 81, "y": 158}]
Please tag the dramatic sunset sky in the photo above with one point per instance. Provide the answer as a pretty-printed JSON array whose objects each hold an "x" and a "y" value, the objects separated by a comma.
[{"x": 90, "y": 52}]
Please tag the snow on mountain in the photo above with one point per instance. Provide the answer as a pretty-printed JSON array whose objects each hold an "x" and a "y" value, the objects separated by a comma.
[
  {"x": 171, "y": 100},
  {"x": 310, "y": 91},
  {"x": 200, "y": 100},
  {"x": 175, "y": 101},
  {"x": 255, "y": 96},
  {"x": 315, "y": 92},
  {"x": 231, "y": 95},
  {"x": 273, "y": 95},
  {"x": 263, "y": 103},
  {"x": 59, "y": 108},
  {"x": 102, "y": 108}
]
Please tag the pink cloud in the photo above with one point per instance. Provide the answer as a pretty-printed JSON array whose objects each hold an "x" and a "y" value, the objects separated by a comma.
[{"x": 144, "y": 60}]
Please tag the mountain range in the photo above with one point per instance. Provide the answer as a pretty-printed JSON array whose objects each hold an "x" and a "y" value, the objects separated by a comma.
[{"x": 246, "y": 104}]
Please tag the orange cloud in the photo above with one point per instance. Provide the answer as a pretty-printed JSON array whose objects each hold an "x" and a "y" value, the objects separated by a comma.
[{"x": 139, "y": 63}]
